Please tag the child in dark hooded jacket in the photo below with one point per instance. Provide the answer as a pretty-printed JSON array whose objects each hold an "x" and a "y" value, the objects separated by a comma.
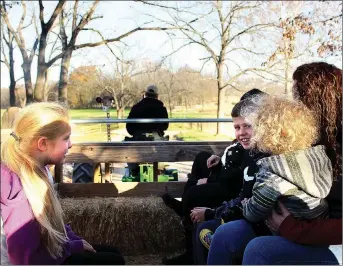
[{"x": 295, "y": 172}]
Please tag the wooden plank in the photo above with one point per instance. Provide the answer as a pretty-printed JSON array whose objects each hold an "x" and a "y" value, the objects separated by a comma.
[
  {"x": 155, "y": 171},
  {"x": 137, "y": 151},
  {"x": 58, "y": 176},
  {"x": 147, "y": 151},
  {"x": 120, "y": 189},
  {"x": 107, "y": 173}
]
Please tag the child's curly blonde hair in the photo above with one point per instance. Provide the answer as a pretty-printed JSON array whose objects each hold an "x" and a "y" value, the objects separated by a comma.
[{"x": 282, "y": 126}]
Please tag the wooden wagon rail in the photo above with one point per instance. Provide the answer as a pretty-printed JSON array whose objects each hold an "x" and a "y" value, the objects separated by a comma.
[{"x": 135, "y": 151}]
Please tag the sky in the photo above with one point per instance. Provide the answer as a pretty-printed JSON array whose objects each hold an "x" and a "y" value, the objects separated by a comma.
[{"x": 118, "y": 17}]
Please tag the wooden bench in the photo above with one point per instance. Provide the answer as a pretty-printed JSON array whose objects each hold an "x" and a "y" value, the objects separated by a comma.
[{"x": 135, "y": 151}]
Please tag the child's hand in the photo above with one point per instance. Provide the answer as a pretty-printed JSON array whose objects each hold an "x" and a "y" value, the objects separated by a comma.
[
  {"x": 277, "y": 217},
  {"x": 202, "y": 181},
  {"x": 198, "y": 214},
  {"x": 213, "y": 161},
  {"x": 87, "y": 246},
  {"x": 244, "y": 201}
]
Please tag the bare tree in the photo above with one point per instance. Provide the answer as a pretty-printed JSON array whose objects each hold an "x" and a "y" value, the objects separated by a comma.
[
  {"x": 82, "y": 82},
  {"x": 220, "y": 32},
  {"x": 8, "y": 59},
  {"x": 169, "y": 87},
  {"x": 20, "y": 40},
  {"x": 48, "y": 85},
  {"x": 69, "y": 44},
  {"x": 119, "y": 83},
  {"x": 197, "y": 88},
  {"x": 331, "y": 22},
  {"x": 168, "y": 83},
  {"x": 303, "y": 34},
  {"x": 43, "y": 66}
]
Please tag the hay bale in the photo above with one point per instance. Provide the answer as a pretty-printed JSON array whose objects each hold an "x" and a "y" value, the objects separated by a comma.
[
  {"x": 149, "y": 259},
  {"x": 137, "y": 225}
]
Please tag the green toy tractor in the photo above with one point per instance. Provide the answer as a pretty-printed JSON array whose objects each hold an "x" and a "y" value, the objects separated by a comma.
[{"x": 146, "y": 174}]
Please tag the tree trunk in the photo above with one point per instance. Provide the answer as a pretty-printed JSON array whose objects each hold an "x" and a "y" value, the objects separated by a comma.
[
  {"x": 219, "y": 95},
  {"x": 120, "y": 113},
  {"x": 286, "y": 69},
  {"x": 46, "y": 85},
  {"x": 286, "y": 78},
  {"x": 39, "y": 88},
  {"x": 41, "y": 67},
  {"x": 12, "y": 79},
  {"x": 28, "y": 82},
  {"x": 22, "y": 102},
  {"x": 220, "y": 111},
  {"x": 170, "y": 109},
  {"x": 63, "y": 83}
]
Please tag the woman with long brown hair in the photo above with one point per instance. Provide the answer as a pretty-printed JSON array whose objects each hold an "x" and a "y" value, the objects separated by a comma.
[{"x": 319, "y": 86}]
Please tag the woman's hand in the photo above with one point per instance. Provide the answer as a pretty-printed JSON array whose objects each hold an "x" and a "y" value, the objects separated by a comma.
[
  {"x": 202, "y": 181},
  {"x": 198, "y": 214},
  {"x": 277, "y": 217},
  {"x": 213, "y": 161},
  {"x": 87, "y": 246}
]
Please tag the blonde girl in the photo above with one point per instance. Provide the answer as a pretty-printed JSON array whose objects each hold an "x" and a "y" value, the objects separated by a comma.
[{"x": 30, "y": 210}]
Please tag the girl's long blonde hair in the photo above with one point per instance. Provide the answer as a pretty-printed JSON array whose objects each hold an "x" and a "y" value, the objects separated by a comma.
[
  {"x": 37, "y": 120},
  {"x": 282, "y": 126}
]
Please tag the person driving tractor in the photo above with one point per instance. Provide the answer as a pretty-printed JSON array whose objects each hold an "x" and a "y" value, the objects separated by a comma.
[{"x": 148, "y": 107}]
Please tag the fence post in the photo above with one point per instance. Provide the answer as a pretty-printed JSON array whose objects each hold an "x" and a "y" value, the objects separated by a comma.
[{"x": 59, "y": 173}]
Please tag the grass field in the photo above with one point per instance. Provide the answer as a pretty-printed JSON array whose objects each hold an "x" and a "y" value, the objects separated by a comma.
[
  {"x": 180, "y": 131},
  {"x": 98, "y": 113}
]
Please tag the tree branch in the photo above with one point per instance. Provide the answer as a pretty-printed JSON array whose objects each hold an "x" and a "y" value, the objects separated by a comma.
[
  {"x": 35, "y": 22},
  {"x": 329, "y": 19},
  {"x": 157, "y": 5},
  {"x": 86, "y": 18},
  {"x": 7, "y": 41},
  {"x": 53, "y": 60},
  {"x": 5, "y": 62},
  {"x": 35, "y": 45},
  {"x": 95, "y": 17},
  {"x": 76, "y": 4},
  {"x": 102, "y": 37},
  {"x": 64, "y": 38},
  {"x": 19, "y": 79},
  {"x": 175, "y": 51},
  {"x": 56, "y": 12},
  {"x": 53, "y": 48},
  {"x": 121, "y": 36},
  {"x": 29, "y": 24},
  {"x": 244, "y": 49},
  {"x": 247, "y": 30},
  {"x": 21, "y": 24},
  {"x": 203, "y": 65},
  {"x": 252, "y": 69},
  {"x": 41, "y": 14},
  {"x": 15, "y": 35}
]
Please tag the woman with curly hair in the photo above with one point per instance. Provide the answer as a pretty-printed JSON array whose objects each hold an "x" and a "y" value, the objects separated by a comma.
[
  {"x": 319, "y": 241},
  {"x": 319, "y": 86},
  {"x": 297, "y": 173}
]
